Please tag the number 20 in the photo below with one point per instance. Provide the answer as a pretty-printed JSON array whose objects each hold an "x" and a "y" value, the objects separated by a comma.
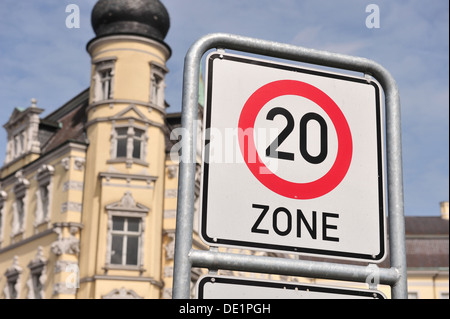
[{"x": 271, "y": 151}]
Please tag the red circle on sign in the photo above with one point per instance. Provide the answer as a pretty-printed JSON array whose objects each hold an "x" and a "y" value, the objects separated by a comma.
[{"x": 285, "y": 188}]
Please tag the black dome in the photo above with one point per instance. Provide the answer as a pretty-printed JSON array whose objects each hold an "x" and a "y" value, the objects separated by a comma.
[{"x": 148, "y": 18}]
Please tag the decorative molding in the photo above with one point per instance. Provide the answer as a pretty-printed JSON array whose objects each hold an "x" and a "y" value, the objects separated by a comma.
[
  {"x": 63, "y": 265},
  {"x": 49, "y": 157},
  {"x": 104, "y": 59},
  {"x": 62, "y": 288},
  {"x": 79, "y": 163},
  {"x": 39, "y": 260},
  {"x": 108, "y": 176},
  {"x": 126, "y": 38},
  {"x": 44, "y": 194},
  {"x": 167, "y": 293},
  {"x": 22, "y": 184},
  {"x": 170, "y": 213},
  {"x": 168, "y": 271},
  {"x": 23, "y": 129},
  {"x": 170, "y": 193},
  {"x": 150, "y": 280},
  {"x": 19, "y": 206},
  {"x": 14, "y": 269},
  {"x": 71, "y": 206},
  {"x": 112, "y": 118},
  {"x": 131, "y": 107},
  {"x": 112, "y": 103},
  {"x": 13, "y": 275},
  {"x": 73, "y": 185},
  {"x": 128, "y": 185},
  {"x": 66, "y": 245},
  {"x": 26, "y": 240},
  {"x": 172, "y": 171},
  {"x": 65, "y": 162},
  {"x": 127, "y": 203},
  {"x": 38, "y": 267},
  {"x": 169, "y": 247},
  {"x": 122, "y": 293},
  {"x": 45, "y": 171},
  {"x": 3, "y": 197}
]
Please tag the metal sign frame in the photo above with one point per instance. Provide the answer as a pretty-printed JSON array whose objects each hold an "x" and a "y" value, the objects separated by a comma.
[
  {"x": 217, "y": 117},
  {"x": 186, "y": 257},
  {"x": 284, "y": 290}
]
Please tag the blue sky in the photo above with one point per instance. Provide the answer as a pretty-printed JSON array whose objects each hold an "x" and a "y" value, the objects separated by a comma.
[{"x": 41, "y": 58}]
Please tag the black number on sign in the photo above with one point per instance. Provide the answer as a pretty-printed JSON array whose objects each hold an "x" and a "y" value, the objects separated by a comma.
[
  {"x": 271, "y": 151},
  {"x": 323, "y": 138}
]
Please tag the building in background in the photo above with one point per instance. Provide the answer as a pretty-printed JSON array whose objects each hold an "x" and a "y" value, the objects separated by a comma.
[
  {"x": 427, "y": 247},
  {"x": 88, "y": 193}
]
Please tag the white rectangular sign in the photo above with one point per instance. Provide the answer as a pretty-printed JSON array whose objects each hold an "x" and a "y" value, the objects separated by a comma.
[
  {"x": 293, "y": 160},
  {"x": 221, "y": 287}
]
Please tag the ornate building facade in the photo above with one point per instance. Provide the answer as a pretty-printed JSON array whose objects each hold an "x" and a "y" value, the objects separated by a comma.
[
  {"x": 88, "y": 193},
  {"x": 85, "y": 190}
]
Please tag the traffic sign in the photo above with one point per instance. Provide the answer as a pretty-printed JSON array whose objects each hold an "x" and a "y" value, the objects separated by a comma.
[
  {"x": 224, "y": 287},
  {"x": 293, "y": 160}
]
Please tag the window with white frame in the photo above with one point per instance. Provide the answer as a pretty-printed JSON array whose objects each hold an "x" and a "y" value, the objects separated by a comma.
[
  {"x": 19, "y": 144},
  {"x": 43, "y": 191},
  {"x": 126, "y": 227},
  {"x": 104, "y": 79},
  {"x": 19, "y": 205},
  {"x": 12, "y": 287},
  {"x": 1, "y": 223},
  {"x": 125, "y": 235},
  {"x": 2, "y": 214},
  {"x": 38, "y": 276},
  {"x": 37, "y": 284},
  {"x": 128, "y": 144},
  {"x": 13, "y": 275},
  {"x": 157, "y": 84},
  {"x": 43, "y": 194}
]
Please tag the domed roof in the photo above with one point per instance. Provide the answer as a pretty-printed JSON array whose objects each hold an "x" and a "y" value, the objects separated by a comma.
[{"x": 148, "y": 18}]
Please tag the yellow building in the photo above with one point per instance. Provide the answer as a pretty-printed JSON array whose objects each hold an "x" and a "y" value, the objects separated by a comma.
[
  {"x": 427, "y": 247},
  {"x": 88, "y": 194},
  {"x": 82, "y": 190}
]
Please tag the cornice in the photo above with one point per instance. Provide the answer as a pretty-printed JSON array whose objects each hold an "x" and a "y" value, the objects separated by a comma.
[
  {"x": 91, "y": 46},
  {"x": 43, "y": 159},
  {"x": 110, "y": 103},
  {"x": 150, "y": 280}
]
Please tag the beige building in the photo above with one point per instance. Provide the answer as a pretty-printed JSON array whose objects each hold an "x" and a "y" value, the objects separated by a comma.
[
  {"x": 88, "y": 193},
  {"x": 428, "y": 255}
]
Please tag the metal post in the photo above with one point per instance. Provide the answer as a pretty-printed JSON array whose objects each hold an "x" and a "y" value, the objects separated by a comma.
[
  {"x": 186, "y": 185},
  {"x": 185, "y": 209},
  {"x": 294, "y": 267}
]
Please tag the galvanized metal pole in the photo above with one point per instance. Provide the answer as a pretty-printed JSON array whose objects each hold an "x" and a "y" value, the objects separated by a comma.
[
  {"x": 185, "y": 210},
  {"x": 186, "y": 185},
  {"x": 294, "y": 267}
]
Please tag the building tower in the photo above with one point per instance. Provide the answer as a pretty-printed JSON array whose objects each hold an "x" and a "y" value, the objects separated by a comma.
[{"x": 121, "y": 239}]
